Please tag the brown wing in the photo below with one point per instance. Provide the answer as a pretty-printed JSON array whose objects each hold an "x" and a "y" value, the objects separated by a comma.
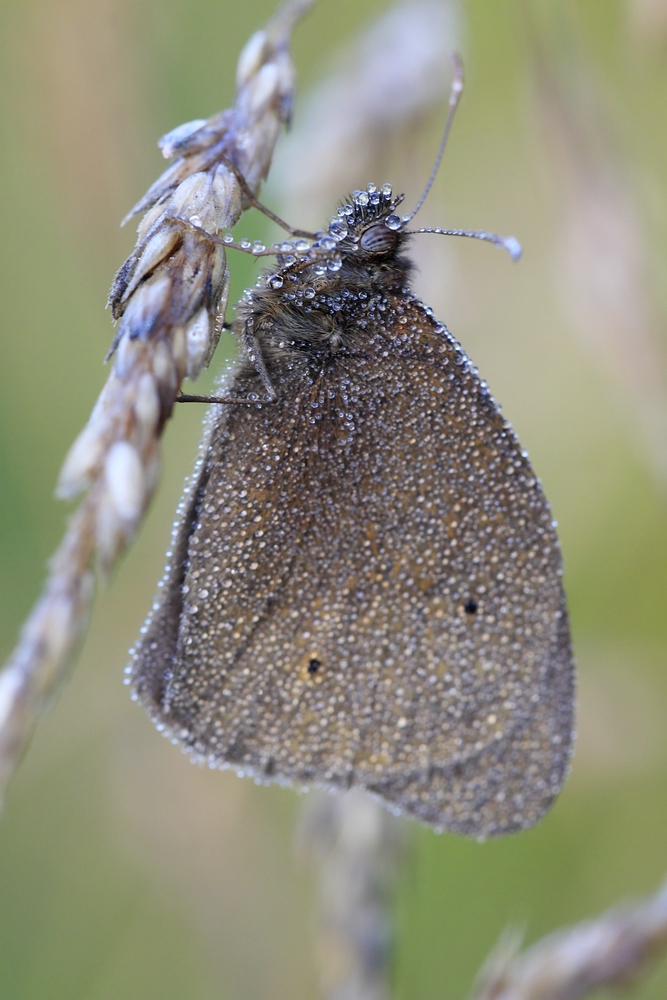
[{"x": 366, "y": 589}]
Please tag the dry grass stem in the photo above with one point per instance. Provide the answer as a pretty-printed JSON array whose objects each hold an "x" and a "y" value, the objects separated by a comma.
[
  {"x": 613, "y": 950},
  {"x": 602, "y": 271},
  {"x": 169, "y": 299},
  {"x": 356, "y": 843},
  {"x": 368, "y": 111}
]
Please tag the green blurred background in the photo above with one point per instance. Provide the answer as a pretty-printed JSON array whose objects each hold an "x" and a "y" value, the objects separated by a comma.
[{"x": 124, "y": 870}]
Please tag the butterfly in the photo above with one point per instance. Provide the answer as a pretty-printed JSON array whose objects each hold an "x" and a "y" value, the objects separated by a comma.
[{"x": 364, "y": 587}]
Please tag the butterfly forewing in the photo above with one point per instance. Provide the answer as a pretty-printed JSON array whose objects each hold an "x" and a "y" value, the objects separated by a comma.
[{"x": 366, "y": 586}]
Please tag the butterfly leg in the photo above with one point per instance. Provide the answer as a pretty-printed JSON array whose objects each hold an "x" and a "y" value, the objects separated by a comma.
[
  {"x": 256, "y": 203},
  {"x": 254, "y": 353}
]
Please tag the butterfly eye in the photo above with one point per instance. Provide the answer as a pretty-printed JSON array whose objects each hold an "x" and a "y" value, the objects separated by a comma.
[{"x": 379, "y": 239}]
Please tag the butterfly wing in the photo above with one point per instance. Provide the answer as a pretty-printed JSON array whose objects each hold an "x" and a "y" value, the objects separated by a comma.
[{"x": 366, "y": 589}]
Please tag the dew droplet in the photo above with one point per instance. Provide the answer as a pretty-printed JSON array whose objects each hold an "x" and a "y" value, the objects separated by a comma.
[
  {"x": 244, "y": 243},
  {"x": 360, "y": 197},
  {"x": 338, "y": 229},
  {"x": 514, "y": 247},
  {"x": 258, "y": 246},
  {"x": 392, "y": 222},
  {"x": 274, "y": 281}
]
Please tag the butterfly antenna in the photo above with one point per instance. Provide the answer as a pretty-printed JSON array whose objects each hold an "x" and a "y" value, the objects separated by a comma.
[
  {"x": 454, "y": 98},
  {"x": 509, "y": 243}
]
